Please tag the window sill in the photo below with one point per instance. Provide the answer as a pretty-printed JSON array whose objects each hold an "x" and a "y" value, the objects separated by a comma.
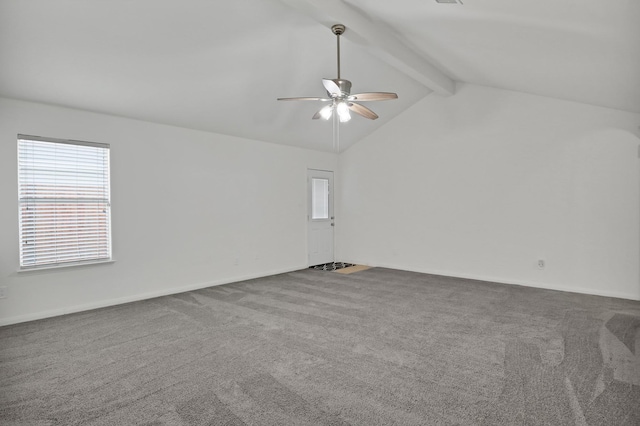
[{"x": 64, "y": 265}]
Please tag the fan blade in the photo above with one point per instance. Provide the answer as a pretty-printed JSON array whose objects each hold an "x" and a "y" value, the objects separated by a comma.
[
  {"x": 362, "y": 110},
  {"x": 374, "y": 96},
  {"x": 331, "y": 86},
  {"x": 304, "y": 99},
  {"x": 322, "y": 112}
]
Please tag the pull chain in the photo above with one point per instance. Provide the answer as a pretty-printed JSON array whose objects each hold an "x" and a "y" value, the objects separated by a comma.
[{"x": 336, "y": 133}]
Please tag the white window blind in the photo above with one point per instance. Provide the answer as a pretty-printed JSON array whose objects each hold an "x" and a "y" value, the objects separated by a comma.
[
  {"x": 64, "y": 201},
  {"x": 319, "y": 198}
]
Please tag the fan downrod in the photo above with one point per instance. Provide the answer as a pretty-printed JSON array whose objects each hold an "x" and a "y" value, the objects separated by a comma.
[{"x": 338, "y": 30}]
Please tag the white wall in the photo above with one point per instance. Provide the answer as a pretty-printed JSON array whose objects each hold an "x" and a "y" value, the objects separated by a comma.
[
  {"x": 480, "y": 185},
  {"x": 486, "y": 182},
  {"x": 185, "y": 206}
]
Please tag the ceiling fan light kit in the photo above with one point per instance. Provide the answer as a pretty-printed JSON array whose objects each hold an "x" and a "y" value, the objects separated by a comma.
[{"x": 339, "y": 94}]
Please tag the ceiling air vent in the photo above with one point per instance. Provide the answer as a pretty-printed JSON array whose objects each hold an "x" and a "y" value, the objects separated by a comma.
[{"x": 448, "y": 1}]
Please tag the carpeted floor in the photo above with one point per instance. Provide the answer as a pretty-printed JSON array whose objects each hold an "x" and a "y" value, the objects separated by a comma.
[{"x": 377, "y": 347}]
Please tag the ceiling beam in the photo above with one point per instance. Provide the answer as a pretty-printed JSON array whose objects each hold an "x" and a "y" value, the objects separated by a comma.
[{"x": 381, "y": 42}]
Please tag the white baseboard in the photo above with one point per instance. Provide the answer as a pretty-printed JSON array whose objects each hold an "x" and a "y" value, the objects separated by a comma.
[
  {"x": 175, "y": 290},
  {"x": 135, "y": 298},
  {"x": 546, "y": 286}
]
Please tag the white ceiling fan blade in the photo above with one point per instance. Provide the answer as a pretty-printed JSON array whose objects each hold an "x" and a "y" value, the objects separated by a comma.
[
  {"x": 304, "y": 99},
  {"x": 373, "y": 96},
  {"x": 324, "y": 113},
  {"x": 362, "y": 110},
  {"x": 331, "y": 87}
]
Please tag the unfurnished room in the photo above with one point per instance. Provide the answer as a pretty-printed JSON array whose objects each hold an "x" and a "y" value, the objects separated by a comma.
[{"x": 319, "y": 212}]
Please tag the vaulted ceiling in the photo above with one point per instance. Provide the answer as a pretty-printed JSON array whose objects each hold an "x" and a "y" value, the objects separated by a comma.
[{"x": 219, "y": 66}]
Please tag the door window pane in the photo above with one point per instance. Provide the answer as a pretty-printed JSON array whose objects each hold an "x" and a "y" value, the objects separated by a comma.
[{"x": 319, "y": 198}]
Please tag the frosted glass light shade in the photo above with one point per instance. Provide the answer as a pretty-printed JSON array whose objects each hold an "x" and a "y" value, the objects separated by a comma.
[
  {"x": 326, "y": 112},
  {"x": 343, "y": 112}
]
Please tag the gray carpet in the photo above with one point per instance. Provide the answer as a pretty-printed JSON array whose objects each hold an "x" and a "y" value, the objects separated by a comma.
[{"x": 320, "y": 348}]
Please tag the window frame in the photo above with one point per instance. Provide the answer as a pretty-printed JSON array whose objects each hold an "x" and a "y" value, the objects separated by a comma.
[{"x": 105, "y": 169}]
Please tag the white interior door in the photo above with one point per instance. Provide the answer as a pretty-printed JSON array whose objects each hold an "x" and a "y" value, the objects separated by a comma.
[{"x": 320, "y": 216}]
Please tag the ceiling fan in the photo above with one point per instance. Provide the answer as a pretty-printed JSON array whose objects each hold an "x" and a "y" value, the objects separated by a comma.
[{"x": 339, "y": 94}]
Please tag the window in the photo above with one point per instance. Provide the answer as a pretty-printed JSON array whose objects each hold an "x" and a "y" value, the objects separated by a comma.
[
  {"x": 64, "y": 202},
  {"x": 319, "y": 198}
]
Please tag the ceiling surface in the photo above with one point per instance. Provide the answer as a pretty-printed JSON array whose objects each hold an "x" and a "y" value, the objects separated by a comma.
[{"x": 219, "y": 66}]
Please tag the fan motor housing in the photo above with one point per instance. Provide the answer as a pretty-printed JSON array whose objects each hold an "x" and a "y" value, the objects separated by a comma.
[{"x": 344, "y": 85}]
